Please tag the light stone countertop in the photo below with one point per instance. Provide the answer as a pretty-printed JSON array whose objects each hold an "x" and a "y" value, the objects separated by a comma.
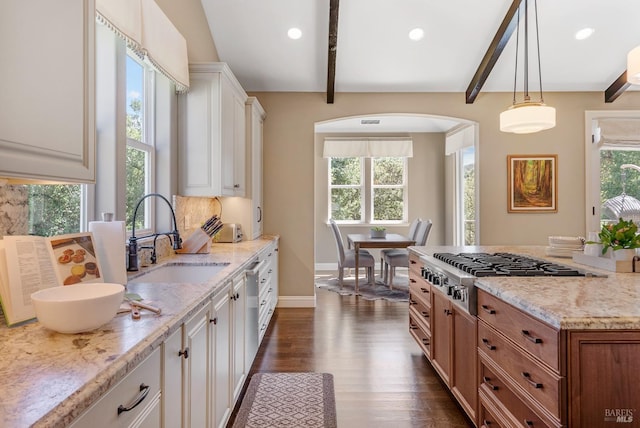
[
  {"x": 563, "y": 302},
  {"x": 48, "y": 378}
]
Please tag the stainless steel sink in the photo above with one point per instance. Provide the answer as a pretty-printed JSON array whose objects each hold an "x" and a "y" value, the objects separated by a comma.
[{"x": 193, "y": 274}]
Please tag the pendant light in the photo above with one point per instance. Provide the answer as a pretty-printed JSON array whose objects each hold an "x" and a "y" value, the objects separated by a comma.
[
  {"x": 633, "y": 66},
  {"x": 528, "y": 116}
]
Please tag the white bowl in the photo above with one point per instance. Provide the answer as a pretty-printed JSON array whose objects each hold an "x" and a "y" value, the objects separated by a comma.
[{"x": 77, "y": 308}]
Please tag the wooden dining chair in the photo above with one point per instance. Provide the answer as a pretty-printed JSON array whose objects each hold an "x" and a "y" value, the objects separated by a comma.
[
  {"x": 347, "y": 257},
  {"x": 400, "y": 257}
]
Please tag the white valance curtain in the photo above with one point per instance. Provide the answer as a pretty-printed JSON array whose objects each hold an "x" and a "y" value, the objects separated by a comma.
[
  {"x": 619, "y": 133},
  {"x": 368, "y": 147},
  {"x": 150, "y": 34},
  {"x": 458, "y": 140}
]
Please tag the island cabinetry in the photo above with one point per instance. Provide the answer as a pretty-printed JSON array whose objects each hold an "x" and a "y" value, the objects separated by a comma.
[
  {"x": 442, "y": 327},
  {"x": 419, "y": 307},
  {"x": 604, "y": 382},
  {"x": 211, "y": 133},
  {"x": 521, "y": 371},
  {"x": 133, "y": 402},
  {"x": 47, "y": 82}
]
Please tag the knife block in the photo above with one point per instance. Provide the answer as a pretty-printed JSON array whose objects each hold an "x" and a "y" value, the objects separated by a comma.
[{"x": 198, "y": 243}]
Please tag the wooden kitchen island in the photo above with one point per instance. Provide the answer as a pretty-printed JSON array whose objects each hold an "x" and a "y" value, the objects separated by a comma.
[{"x": 542, "y": 351}]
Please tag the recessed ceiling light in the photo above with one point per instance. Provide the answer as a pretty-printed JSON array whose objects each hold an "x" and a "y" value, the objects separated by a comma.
[
  {"x": 416, "y": 34},
  {"x": 585, "y": 33},
  {"x": 370, "y": 121},
  {"x": 294, "y": 33}
]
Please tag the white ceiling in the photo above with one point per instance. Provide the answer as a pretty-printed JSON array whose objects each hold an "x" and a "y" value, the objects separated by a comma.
[{"x": 374, "y": 53}]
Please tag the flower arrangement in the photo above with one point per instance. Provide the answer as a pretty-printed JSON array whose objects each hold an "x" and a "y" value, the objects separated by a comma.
[
  {"x": 379, "y": 228},
  {"x": 618, "y": 236},
  {"x": 378, "y": 232}
]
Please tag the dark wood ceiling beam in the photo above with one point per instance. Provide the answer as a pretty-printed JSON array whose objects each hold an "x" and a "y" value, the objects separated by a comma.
[
  {"x": 333, "y": 47},
  {"x": 508, "y": 26},
  {"x": 616, "y": 88}
]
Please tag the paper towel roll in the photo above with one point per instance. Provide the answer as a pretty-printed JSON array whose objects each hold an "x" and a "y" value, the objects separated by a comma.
[{"x": 109, "y": 239}]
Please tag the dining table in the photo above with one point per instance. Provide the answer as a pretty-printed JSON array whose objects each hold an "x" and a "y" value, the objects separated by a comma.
[{"x": 359, "y": 241}]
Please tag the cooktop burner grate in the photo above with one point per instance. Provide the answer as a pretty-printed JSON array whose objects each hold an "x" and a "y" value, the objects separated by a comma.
[{"x": 505, "y": 264}]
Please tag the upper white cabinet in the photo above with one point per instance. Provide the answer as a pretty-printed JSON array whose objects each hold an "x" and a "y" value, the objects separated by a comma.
[
  {"x": 211, "y": 133},
  {"x": 47, "y": 87},
  {"x": 255, "y": 120}
]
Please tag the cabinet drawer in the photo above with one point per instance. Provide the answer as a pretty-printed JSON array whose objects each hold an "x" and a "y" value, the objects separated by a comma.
[
  {"x": 145, "y": 377},
  {"x": 421, "y": 336},
  {"x": 487, "y": 419},
  {"x": 526, "y": 375},
  {"x": 420, "y": 310},
  {"x": 497, "y": 391},
  {"x": 533, "y": 335},
  {"x": 414, "y": 263},
  {"x": 421, "y": 289}
]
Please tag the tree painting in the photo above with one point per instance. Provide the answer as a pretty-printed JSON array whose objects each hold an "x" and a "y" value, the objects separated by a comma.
[{"x": 532, "y": 186}]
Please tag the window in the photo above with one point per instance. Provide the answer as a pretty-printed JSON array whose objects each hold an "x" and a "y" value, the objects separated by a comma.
[
  {"x": 461, "y": 167},
  {"x": 468, "y": 192},
  {"x": 55, "y": 209},
  {"x": 368, "y": 190},
  {"x": 140, "y": 146}
]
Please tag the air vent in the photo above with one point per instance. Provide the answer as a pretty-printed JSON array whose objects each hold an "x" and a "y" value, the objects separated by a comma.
[{"x": 370, "y": 122}]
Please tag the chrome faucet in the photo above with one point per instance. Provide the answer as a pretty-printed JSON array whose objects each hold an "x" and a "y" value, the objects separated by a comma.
[{"x": 133, "y": 240}]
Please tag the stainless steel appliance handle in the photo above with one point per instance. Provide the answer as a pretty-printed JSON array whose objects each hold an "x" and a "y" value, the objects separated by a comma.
[{"x": 255, "y": 269}]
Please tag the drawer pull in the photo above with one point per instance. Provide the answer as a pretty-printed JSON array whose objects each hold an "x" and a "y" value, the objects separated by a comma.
[
  {"x": 425, "y": 314},
  {"x": 412, "y": 280},
  {"x": 425, "y": 342},
  {"x": 413, "y": 262},
  {"x": 447, "y": 312},
  {"x": 489, "y": 346},
  {"x": 144, "y": 390},
  {"x": 413, "y": 327},
  {"x": 527, "y": 377},
  {"x": 490, "y": 385},
  {"x": 488, "y": 310},
  {"x": 528, "y": 336},
  {"x": 486, "y": 423},
  {"x": 424, "y": 290},
  {"x": 412, "y": 302},
  {"x": 528, "y": 423}
]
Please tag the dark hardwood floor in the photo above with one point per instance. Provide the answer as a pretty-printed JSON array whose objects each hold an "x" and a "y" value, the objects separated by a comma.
[{"x": 381, "y": 377}]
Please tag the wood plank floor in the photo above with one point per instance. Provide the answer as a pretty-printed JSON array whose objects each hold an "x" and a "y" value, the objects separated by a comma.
[{"x": 381, "y": 377}]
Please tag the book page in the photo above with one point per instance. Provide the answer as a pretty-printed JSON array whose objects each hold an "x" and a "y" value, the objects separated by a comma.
[
  {"x": 74, "y": 258},
  {"x": 29, "y": 269}
]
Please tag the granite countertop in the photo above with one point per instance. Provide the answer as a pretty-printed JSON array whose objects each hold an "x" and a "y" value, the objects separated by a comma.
[
  {"x": 48, "y": 378},
  {"x": 563, "y": 302}
]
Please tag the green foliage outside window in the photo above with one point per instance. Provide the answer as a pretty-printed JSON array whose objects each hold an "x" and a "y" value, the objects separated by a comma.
[
  {"x": 611, "y": 175},
  {"x": 54, "y": 209},
  {"x": 388, "y": 200},
  {"x": 469, "y": 205}
]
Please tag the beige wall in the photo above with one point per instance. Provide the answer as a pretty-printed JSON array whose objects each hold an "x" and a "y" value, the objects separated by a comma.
[
  {"x": 289, "y": 159},
  {"x": 426, "y": 193}
]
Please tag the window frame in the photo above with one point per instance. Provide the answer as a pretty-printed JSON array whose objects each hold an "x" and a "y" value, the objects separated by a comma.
[{"x": 367, "y": 187}]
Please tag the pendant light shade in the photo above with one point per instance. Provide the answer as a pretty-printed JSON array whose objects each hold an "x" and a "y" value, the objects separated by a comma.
[
  {"x": 528, "y": 116},
  {"x": 633, "y": 66}
]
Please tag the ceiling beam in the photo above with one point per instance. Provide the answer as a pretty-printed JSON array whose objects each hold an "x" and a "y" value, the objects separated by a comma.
[
  {"x": 509, "y": 24},
  {"x": 616, "y": 88},
  {"x": 333, "y": 47}
]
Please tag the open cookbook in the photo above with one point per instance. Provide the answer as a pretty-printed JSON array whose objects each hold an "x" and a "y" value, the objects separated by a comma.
[{"x": 32, "y": 263}]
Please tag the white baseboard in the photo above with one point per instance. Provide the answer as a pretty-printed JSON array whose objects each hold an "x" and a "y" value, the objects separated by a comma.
[{"x": 296, "y": 302}]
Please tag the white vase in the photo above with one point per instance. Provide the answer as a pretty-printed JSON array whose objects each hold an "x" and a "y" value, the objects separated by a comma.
[
  {"x": 378, "y": 233},
  {"x": 625, "y": 254}
]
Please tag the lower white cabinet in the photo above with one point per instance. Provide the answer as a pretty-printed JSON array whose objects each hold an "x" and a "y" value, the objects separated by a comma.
[
  {"x": 221, "y": 358},
  {"x": 133, "y": 402},
  {"x": 239, "y": 315}
]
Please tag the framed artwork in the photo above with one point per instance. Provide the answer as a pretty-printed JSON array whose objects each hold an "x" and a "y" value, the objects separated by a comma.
[{"x": 532, "y": 183}]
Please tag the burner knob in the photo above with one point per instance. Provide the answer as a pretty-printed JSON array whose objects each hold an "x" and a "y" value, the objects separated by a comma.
[
  {"x": 450, "y": 290},
  {"x": 437, "y": 280},
  {"x": 457, "y": 293}
]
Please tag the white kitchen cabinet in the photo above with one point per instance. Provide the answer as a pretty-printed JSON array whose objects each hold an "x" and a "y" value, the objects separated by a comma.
[
  {"x": 221, "y": 357},
  {"x": 267, "y": 288},
  {"x": 47, "y": 82},
  {"x": 132, "y": 402},
  {"x": 255, "y": 120},
  {"x": 239, "y": 315},
  {"x": 211, "y": 133},
  {"x": 186, "y": 372}
]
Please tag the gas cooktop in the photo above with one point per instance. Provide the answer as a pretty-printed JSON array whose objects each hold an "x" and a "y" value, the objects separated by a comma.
[{"x": 507, "y": 264}]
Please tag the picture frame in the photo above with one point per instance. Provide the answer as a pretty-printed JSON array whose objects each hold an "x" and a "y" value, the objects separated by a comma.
[{"x": 532, "y": 183}]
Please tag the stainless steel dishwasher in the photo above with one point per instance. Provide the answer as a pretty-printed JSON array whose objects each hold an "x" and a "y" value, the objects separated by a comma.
[{"x": 252, "y": 327}]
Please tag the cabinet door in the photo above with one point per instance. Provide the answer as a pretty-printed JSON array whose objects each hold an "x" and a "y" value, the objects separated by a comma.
[
  {"x": 221, "y": 379},
  {"x": 196, "y": 354},
  {"x": 228, "y": 138},
  {"x": 441, "y": 317},
  {"x": 239, "y": 310},
  {"x": 464, "y": 379},
  {"x": 255, "y": 119},
  {"x": 47, "y": 82},
  {"x": 172, "y": 361},
  {"x": 239, "y": 148}
]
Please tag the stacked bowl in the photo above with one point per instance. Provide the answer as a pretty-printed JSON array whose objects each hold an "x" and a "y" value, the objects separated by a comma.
[{"x": 564, "y": 246}]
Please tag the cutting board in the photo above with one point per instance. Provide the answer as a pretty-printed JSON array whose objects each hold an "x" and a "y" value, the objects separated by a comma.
[{"x": 109, "y": 237}]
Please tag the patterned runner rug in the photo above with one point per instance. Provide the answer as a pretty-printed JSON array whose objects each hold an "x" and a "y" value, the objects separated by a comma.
[{"x": 277, "y": 400}]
